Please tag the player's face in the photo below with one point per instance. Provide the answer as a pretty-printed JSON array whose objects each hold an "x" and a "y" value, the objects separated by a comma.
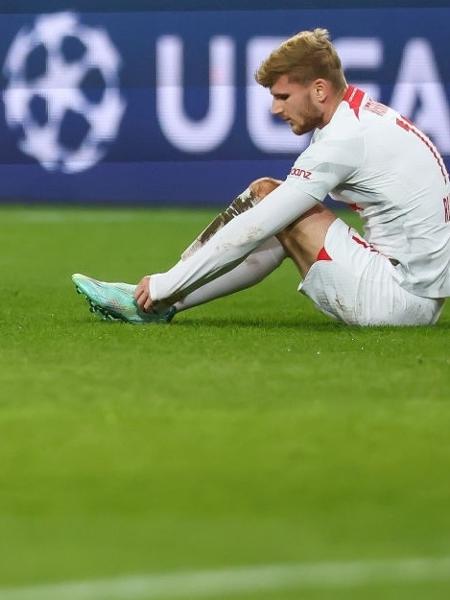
[{"x": 296, "y": 104}]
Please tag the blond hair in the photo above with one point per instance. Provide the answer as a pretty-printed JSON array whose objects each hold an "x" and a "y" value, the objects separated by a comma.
[{"x": 306, "y": 56}]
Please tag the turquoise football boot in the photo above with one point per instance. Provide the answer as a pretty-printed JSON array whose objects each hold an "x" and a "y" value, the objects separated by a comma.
[{"x": 115, "y": 301}]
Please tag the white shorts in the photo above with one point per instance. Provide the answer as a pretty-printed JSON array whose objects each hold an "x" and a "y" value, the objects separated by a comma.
[{"x": 357, "y": 285}]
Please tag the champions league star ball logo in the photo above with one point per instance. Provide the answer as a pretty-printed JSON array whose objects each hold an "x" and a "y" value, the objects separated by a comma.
[{"x": 62, "y": 96}]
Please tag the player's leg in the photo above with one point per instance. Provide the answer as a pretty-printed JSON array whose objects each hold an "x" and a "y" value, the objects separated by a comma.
[
  {"x": 301, "y": 241},
  {"x": 116, "y": 300},
  {"x": 256, "y": 267},
  {"x": 304, "y": 240},
  {"x": 265, "y": 259}
]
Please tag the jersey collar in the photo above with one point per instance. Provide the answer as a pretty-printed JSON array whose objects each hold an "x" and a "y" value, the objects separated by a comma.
[{"x": 354, "y": 97}]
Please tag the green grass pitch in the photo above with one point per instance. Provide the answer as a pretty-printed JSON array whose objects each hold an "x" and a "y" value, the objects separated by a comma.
[{"x": 250, "y": 431}]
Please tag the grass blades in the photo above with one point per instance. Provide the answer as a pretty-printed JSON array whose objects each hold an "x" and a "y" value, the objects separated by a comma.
[{"x": 249, "y": 431}]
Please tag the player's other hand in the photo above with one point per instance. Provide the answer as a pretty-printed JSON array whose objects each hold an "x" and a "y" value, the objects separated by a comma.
[{"x": 142, "y": 294}]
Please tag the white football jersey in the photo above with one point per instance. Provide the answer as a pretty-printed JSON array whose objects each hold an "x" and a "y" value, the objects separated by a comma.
[
  {"x": 374, "y": 160},
  {"x": 382, "y": 166}
]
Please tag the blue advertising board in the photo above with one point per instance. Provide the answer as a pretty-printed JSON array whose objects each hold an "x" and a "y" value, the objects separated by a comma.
[{"x": 161, "y": 107}]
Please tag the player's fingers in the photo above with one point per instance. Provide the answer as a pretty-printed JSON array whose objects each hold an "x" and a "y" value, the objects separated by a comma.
[
  {"x": 142, "y": 302},
  {"x": 142, "y": 294},
  {"x": 141, "y": 298},
  {"x": 148, "y": 304},
  {"x": 139, "y": 289}
]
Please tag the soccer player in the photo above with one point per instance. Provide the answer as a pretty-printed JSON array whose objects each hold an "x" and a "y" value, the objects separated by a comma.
[{"x": 363, "y": 154}]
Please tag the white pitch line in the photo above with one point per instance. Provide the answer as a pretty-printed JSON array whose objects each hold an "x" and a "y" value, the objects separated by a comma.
[{"x": 229, "y": 582}]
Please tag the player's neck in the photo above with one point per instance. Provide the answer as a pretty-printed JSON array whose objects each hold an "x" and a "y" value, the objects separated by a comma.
[{"x": 331, "y": 107}]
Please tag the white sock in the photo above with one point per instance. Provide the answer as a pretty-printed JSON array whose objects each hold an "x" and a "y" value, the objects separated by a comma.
[{"x": 260, "y": 263}]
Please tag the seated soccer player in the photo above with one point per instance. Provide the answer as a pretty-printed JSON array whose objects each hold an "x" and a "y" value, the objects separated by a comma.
[{"x": 363, "y": 154}]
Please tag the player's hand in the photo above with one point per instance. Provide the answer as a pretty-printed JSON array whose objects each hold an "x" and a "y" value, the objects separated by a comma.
[{"x": 142, "y": 294}]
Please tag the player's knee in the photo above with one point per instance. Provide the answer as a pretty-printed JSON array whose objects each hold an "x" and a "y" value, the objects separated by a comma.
[{"x": 263, "y": 186}]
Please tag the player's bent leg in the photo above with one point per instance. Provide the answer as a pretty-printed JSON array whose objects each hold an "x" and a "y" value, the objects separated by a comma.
[
  {"x": 258, "y": 265},
  {"x": 115, "y": 301},
  {"x": 304, "y": 239}
]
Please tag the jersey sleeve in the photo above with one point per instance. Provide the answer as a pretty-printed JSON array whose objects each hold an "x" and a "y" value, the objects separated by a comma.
[
  {"x": 231, "y": 244},
  {"x": 325, "y": 164}
]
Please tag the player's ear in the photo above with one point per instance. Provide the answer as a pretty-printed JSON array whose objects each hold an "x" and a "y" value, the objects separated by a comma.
[{"x": 320, "y": 90}]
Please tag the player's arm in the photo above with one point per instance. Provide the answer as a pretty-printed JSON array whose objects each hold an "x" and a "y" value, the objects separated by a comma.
[
  {"x": 318, "y": 170},
  {"x": 229, "y": 246}
]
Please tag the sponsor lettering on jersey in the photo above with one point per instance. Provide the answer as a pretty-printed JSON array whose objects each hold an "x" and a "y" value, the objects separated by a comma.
[{"x": 296, "y": 172}]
